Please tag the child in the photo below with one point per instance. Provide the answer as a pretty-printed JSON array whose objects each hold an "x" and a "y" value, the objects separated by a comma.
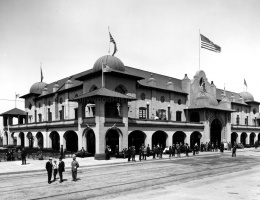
[{"x": 55, "y": 169}]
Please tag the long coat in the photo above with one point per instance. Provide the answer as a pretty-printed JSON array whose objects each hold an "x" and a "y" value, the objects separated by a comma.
[
  {"x": 61, "y": 167},
  {"x": 74, "y": 165},
  {"x": 48, "y": 166}
]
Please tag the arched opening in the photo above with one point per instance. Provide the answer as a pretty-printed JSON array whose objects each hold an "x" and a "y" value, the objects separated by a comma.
[
  {"x": 159, "y": 137},
  {"x": 55, "y": 140},
  {"x": 39, "y": 138},
  {"x": 243, "y": 138},
  {"x": 71, "y": 138},
  {"x": 252, "y": 139},
  {"x": 195, "y": 117},
  {"x": 121, "y": 89},
  {"x": 136, "y": 138},
  {"x": 21, "y": 135},
  {"x": 112, "y": 109},
  {"x": 178, "y": 137},
  {"x": 30, "y": 139},
  {"x": 93, "y": 87},
  {"x": 233, "y": 138},
  {"x": 215, "y": 132},
  {"x": 91, "y": 141},
  {"x": 5, "y": 138},
  {"x": 195, "y": 138},
  {"x": 14, "y": 139},
  {"x": 112, "y": 139}
]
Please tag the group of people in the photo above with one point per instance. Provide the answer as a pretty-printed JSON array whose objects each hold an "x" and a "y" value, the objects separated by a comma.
[
  {"x": 11, "y": 155},
  {"x": 211, "y": 146},
  {"x": 53, "y": 167}
]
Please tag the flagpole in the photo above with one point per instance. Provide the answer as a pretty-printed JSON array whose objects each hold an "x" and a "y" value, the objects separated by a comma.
[
  {"x": 109, "y": 43},
  {"x": 102, "y": 75},
  {"x": 199, "y": 49},
  {"x": 15, "y": 100}
]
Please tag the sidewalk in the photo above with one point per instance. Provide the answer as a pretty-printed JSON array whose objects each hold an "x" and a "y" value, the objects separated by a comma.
[{"x": 15, "y": 167}]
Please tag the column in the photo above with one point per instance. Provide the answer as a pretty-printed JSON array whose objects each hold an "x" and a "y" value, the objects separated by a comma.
[{"x": 169, "y": 139}]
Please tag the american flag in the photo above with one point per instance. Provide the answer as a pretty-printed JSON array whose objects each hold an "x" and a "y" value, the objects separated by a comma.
[
  {"x": 113, "y": 41},
  {"x": 207, "y": 44}
]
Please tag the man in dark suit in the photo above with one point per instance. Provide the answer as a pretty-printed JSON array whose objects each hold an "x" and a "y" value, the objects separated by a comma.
[
  {"x": 129, "y": 154},
  {"x": 23, "y": 154},
  {"x": 49, "y": 169},
  {"x": 61, "y": 151},
  {"x": 61, "y": 169}
]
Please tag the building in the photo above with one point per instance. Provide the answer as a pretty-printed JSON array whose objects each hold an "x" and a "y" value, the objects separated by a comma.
[{"x": 125, "y": 106}]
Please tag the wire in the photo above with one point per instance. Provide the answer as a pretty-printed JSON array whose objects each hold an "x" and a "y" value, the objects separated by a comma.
[{"x": 10, "y": 100}]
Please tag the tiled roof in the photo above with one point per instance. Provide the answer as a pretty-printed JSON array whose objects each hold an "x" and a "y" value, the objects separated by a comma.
[
  {"x": 228, "y": 95},
  {"x": 104, "y": 92},
  {"x": 14, "y": 111},
  {"x": 161, "y": 80}
]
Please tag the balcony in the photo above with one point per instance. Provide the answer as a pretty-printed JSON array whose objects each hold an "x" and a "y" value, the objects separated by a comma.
[
  {"x": 89, "y": 120},
  {"x": 53, "y": 124},
  {"x": 164, "y": 123},
  {"x": 245, "y": 127}
]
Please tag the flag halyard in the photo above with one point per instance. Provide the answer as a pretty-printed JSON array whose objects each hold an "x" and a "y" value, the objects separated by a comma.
[{"x": 209, "y": 45}]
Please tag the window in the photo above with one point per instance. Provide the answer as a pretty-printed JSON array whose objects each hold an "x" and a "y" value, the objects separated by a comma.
[
  {"x": 178, "y": 116},
  {"x": 162, "y": 99},
  {"x": 112, "y": 109},
  {"x": 30, "y": 106},
  {"x": 76, "y": 113},
  {"x": 60, "y": 112},
  {"x": 142, "y": 96},
  {"x": 246, "y": 120},
  {"x": 61, "y": 101},
  {"x": 195, "y": 117},
  {"x": 39, "y": 105},
  {"x": 49, "y": 103},
  {"x": 49, "y": 115},
  {"x": 161, "y": 113},
  {"x": 93, "y": 87},
  {"x": 121, "y": 89},
  {"x": 142, "y": 113},
  {"x": 40, "y": 117},
  {"x": 179, "y": 101},
  {"x": 254, "y": 111},
  {"x": 237, "y": 119}
]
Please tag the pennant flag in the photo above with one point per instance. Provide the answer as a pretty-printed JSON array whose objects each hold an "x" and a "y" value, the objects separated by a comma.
[
  {"x": 207, "y": 44},
  {"x": 41, "y": 75},
  {"x": 17, "y": 95},
  {"x": 113, "y": 41},
  {"x": 245, "y": 82}
]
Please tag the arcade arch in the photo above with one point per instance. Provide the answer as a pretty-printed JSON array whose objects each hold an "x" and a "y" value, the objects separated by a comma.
[
  {"x": 136, "y": 138},
  {"x": 30, "y": 139},
  {"x": 234, "y": 136},
  {"x": 159, "y": 137},
  {"x": 90, "y": 140},
  {"x": 112, "y": 137},
  {"x": 5, "y": 139},
  {"x": 71, "y": 139},
  {"x": 54, "y": 139},
  {"x": 178, "y": 137},
  {"x": 215, "y": 132},
  {"x": 39, "y": 137},
  {"x": 21, "y": 136},
  {"x": 243, "y": 138},
  {"x": 195, "y": 138},
  {"x": 252, "y": 138}
]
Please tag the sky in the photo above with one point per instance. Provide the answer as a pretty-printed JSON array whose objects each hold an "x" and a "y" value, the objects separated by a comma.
[{"x": 152, "y": 35}]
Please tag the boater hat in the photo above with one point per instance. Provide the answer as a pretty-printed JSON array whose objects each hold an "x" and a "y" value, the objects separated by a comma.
[{"x": 50, "y": 158}]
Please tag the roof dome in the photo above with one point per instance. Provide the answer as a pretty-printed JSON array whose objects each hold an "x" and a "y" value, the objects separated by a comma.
[
  {"x": 37, "y": 87},
  {"x": 111, "y": 61},
  {"x": 205, "y": 99},
  {"x": 246, "y": 96}
]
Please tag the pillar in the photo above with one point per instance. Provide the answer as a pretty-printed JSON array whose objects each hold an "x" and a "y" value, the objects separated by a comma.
[{"x": 169, "y": 139}]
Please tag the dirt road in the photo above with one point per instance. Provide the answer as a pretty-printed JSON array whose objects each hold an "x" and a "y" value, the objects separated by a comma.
[{"x": 202, "y": 177}]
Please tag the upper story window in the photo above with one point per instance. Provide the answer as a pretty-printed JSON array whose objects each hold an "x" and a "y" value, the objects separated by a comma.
[
  {"x": 30, "y": 106},
  {"x": 121, "y": 89},
  {"x": 179, "y": 101},
  {"x": 61, "y": 100},
  {"x": 162, "y": 99},
  {"x": 254, "y": 111},
  {"x": 142, "y": 96},
  {"x": 195, "y": 117},
  {"x": 142, "y": 113},
  {"x": 49, "y": 103},
  {"x": 178, "y": 115},
  {"x": 39, "y": 105},
  {"x": 93, "y": 87},
  {"x": 237, "y": 109},
  {"x": 237, "y": 120}
]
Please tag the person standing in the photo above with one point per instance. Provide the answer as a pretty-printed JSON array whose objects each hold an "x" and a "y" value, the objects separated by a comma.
[
  {"x": 234, "y": 150},
  {"x": 194, "y": 149},
  {"x": 144, "y": 153},
  {"x": 170, "y": 151},
  {"x": 117, "y": 151},
  {"x": 222, "y": 147},
  {"x": 49, "y": 169},
  {"x": 74, "y": 168},
  {"x": 61, "y": 169},
  {"x": 133, "y": 153},
  {"x": 140, "y": 153},
  {"x": 173, "y": 150},
  {"x": 148, "y": 150},
  {"x": 129, "y": 154},
  {"x": 107, "y": 152},
  {"x": 187, "y": 149},
  {"x": 55, "y": 169},
  {"x": 23, "y": 154},
  {"x": 201, "y": 147},
  {"x": 158, "y": 150},
  {"x": 161, "y": 151},
  {"x": 154, "y": 151}
]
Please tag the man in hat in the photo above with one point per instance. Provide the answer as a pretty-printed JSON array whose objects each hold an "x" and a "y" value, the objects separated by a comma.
[
  {"x": 61, "y": 169},
  {"x": 74, "y": 167},
  {"x": 49, "y": 169}
]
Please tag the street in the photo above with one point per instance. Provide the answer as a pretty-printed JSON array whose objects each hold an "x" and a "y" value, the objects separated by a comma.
[{"x": 209, "y": 176}]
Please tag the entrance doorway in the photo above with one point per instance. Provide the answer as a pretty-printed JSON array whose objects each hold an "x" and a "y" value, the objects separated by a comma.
[
  {"x": 136, "y": 139},
  {"x": 91, "y": 141},
  {"x": 159, "y": 137},
  {"x": 55, "y": 140},
  {"x": 112, "y": 139},
  {"x": 195, "y": 138},
  {"x": 215, "y": 132},
  {"x": 243, "y": 138}
]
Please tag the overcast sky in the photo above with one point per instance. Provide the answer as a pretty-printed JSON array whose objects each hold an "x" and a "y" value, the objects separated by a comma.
[{"x": 158, "y": 36}]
